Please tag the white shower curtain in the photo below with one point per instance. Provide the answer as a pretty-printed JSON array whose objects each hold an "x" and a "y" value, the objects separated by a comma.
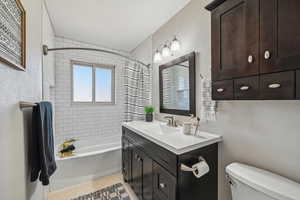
[{"x": 137, "y": 90}]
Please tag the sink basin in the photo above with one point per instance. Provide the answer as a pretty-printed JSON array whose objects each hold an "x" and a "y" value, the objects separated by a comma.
[
  {"x": 164, "y": 128},
  {"x": 159, "y": 128}
]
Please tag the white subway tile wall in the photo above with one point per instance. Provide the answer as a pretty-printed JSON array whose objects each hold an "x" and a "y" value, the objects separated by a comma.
[{"x": 90, "y": 124}]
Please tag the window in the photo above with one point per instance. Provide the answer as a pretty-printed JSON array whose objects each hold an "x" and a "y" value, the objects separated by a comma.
[
  {"x": 82, "y": 83},
  {"x": 103, "y": 84},
  {"x": 93, "y": 83}
]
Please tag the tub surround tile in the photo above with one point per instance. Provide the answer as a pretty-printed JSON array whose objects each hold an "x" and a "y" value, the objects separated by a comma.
[{"x": 88, "y": 123}]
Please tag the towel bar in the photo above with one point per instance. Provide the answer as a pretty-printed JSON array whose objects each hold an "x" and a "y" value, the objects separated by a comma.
[{"x": 24, "y": 104}]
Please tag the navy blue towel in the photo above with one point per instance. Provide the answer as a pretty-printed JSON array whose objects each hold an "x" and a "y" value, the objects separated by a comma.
[{"x": 42, "y": 158}]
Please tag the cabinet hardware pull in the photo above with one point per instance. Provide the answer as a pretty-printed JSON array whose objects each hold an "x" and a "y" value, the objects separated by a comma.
[
  {"x": 250, "y": 59},
  {"x": 267, "y": 55},
  {"x": 220, "y": 90},
  {"x": 244, "y": 88},
  {"x": 274, "y": 86},
  {"x": 162, "y": 185}
]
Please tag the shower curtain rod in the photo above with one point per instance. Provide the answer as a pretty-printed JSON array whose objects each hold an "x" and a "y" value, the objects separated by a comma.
[{"x": 46, "y": 50}]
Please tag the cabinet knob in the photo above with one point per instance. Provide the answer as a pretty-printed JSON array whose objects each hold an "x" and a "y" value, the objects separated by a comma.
[
  {"x": 220, "y": 90},
  {"x": 274, "y": 86},
  {"x": 267, "y": 55},
  {"x": 250, "y": 59},
  {"x": 244, "y": 88},
  {"x": 162, "y": 185}
]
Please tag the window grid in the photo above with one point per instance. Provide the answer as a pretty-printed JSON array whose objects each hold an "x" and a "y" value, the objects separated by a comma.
[{"x": 94, "y": 67}]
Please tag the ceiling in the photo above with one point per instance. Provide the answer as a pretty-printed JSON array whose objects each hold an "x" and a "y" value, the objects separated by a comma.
[{"x": 116, "y": 24}]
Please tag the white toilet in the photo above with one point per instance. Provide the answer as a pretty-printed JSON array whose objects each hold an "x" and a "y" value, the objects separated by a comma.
[{"x": 250, "y": 183}]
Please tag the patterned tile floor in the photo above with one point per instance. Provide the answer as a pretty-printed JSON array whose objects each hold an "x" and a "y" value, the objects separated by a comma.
[{"x": 92, "y": 186}]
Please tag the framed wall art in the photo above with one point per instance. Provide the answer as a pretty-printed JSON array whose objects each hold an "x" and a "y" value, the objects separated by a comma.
[{"x": 13, "y": 33}]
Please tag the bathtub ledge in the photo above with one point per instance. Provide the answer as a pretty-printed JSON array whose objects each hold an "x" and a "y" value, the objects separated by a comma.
[{"x": 81, "y": 155}]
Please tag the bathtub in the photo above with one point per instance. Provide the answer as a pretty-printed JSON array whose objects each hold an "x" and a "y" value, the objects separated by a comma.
[{"x": 87, "y": 164}]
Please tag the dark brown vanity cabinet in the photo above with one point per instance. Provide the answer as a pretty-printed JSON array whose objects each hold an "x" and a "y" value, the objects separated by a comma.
[
  {"x": 126, "y": 159},
  {"x": 154, "y": 172},
  {"x": 137, "y": 173},
  {"x": 250, "y": 40},
  {"x": 164, "y": 184},
  {"x": 137, "y": 169},
  {"x": 141, "y": 170}
]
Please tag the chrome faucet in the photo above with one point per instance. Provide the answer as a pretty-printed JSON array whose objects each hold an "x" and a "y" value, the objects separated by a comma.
[{"x": 171, "y": 121}]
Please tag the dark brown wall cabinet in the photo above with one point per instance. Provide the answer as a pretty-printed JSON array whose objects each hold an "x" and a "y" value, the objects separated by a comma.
[
  {"x": 298, "y": 84},
  {"x": 250, "y": 40},
  {"x": 223, "y": 90},
  {"x": 280, "y": 35},
  {"x": 246, "y": 88},
  {"x": 154, "y": 172},
  {"x": 278, "y": 86}
]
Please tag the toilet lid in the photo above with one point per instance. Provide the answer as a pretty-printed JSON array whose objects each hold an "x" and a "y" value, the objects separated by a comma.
[{"x": 266, "y": 182}]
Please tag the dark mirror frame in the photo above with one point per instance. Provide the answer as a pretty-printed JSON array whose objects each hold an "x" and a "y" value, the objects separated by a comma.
[{"x": 191, "y": 57}]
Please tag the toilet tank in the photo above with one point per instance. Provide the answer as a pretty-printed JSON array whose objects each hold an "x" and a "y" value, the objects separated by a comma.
[{"x": 250, "y": 183}]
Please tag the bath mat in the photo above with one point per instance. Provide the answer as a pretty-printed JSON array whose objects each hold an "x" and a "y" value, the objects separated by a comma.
[{"x": 113, "y": 192}]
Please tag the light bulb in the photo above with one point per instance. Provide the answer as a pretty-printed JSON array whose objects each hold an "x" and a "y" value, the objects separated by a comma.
[
  {"x": 175, "y": 45},
  {"x": 157, "y": 56},
  {"x": 166, "y": 51}
]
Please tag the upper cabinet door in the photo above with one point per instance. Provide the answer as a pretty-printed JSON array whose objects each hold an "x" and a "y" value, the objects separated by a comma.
[
  {"x": 235, "y": 39},
  {"x": 280, "y": 35}
]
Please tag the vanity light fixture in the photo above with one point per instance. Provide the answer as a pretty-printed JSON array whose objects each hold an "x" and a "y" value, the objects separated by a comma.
[
  {"x": 175, "y": 44},
  {"x": 166, "y": 52},
  {"x": 157, "y": 57}
]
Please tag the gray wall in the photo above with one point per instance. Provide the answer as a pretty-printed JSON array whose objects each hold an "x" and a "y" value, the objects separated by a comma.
[
  {"x": 18, "y": 86},
  {"x": 49, "y": 60},
  {"x": 260, "y": 133}
]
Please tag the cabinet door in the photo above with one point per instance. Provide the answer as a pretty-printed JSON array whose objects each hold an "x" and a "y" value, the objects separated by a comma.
[
  {"x": 235, "y": 39},
  {"x": 280, "y": 35},
  {"x": 126, "y": 159},
  {"x": 137, "y": 173},
  {"x": 147, "y": 177},
  {"x": 141, "y": 175},
  {"x": 164, "y": 184}
]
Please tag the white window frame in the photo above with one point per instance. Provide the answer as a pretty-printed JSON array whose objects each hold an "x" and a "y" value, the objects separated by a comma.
[{"x": 94, "y": 66}]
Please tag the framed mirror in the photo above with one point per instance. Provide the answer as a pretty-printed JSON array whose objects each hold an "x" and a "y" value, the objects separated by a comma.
[{"x": 177, "y": 86}]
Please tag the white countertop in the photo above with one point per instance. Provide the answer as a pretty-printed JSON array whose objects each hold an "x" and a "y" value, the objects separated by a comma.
[{"x": 172, "y": 138}]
